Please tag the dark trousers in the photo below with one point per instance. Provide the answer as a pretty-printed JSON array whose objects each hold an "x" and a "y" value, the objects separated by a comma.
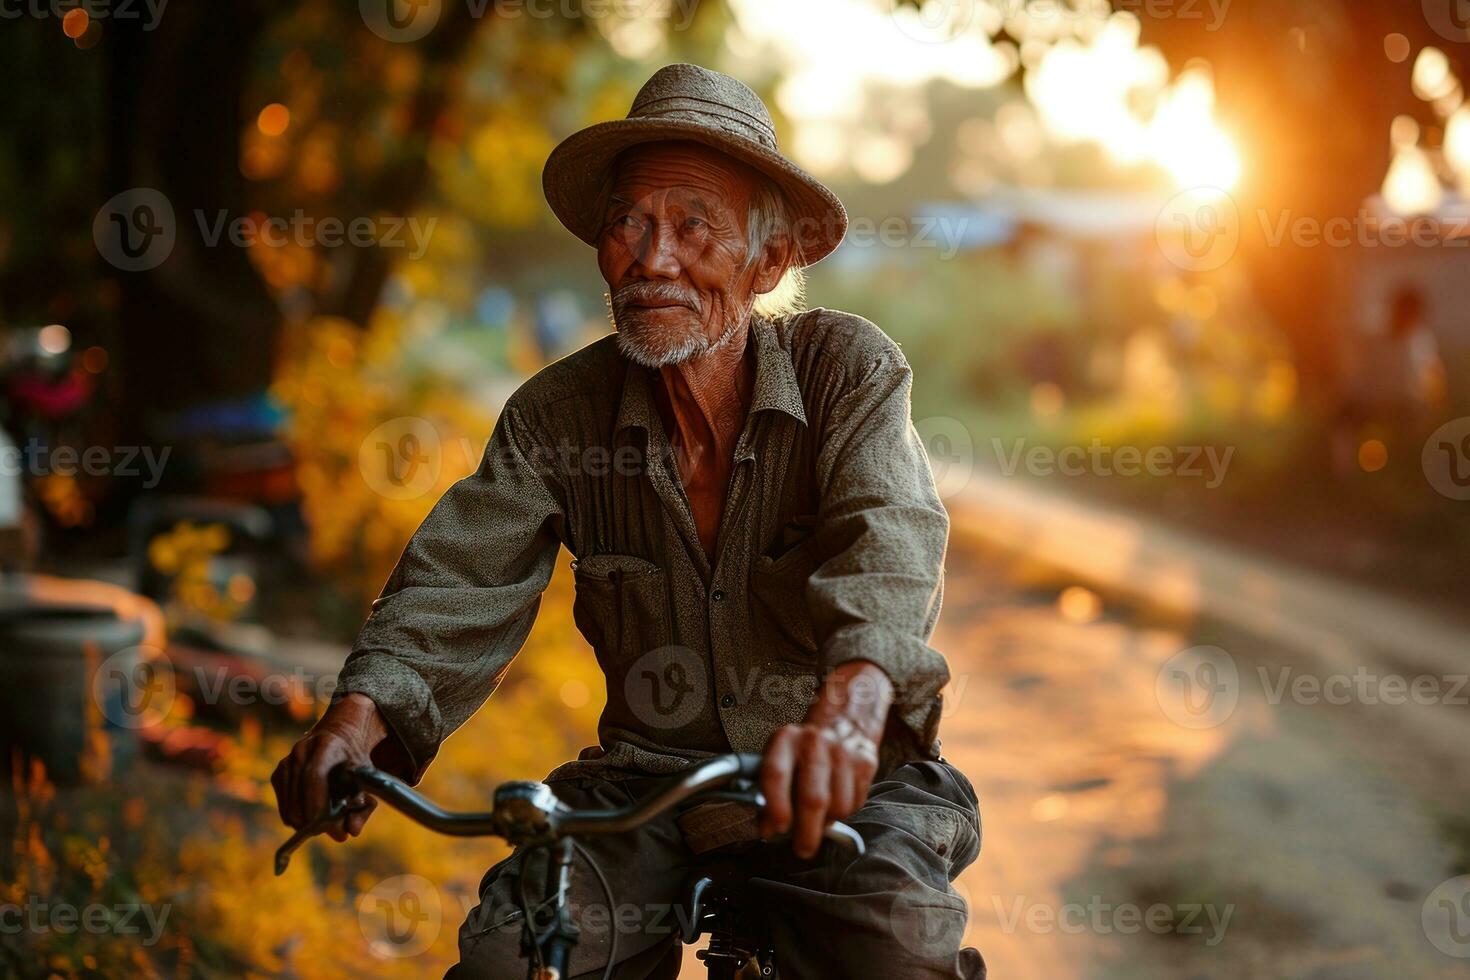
[{"x": 889, "y": 913}]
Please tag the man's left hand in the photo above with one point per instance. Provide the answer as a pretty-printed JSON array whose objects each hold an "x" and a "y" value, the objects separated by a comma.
[{"x": 820, "y": 770}]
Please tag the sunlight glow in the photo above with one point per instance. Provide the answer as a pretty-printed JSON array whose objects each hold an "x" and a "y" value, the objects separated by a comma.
[
  {"x": 1087, "y": 92},
  {"x": 848, "y": 68},
  {"x": 1457, "y": 146},
  {"x": 1432, "y": 76},
  {"x": 1411, "y": 185},
  {"x": 1185, "y": 139},
  {"x": 838, "y": 56}
]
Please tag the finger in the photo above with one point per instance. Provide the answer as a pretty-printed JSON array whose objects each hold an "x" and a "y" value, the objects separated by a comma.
[
  {"x": 337, "y": 832},
  {"x": 357, "y": 819},
  {"x": 864, "y": 767},
  {"x": 813, "y": 793},
  {"x": 315, "y": 779},
  {"x": 296, "y": 763},
  {"x": 862, "y": 781},
  {"x": 842, "y": 784},
  {"x": 775, "y": 782},
  {"x": 280, "y": 781}
]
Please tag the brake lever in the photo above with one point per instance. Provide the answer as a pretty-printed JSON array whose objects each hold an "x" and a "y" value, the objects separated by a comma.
[
  {"x": 336, "y": 810},
  {"x": 844, "y": 835}
]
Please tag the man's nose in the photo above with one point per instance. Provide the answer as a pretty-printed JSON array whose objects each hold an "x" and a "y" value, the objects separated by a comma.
[{"x": 657, "y": 253}]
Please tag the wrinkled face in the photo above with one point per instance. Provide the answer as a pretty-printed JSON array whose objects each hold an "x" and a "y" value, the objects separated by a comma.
[{"x": 673, "y": 250}]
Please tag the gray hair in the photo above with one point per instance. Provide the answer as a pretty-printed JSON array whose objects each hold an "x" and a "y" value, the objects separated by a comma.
[{"x": 770, "y": 218}]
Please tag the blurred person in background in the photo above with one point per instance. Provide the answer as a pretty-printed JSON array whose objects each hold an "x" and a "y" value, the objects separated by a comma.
[{"x": 1395, "y": 382}]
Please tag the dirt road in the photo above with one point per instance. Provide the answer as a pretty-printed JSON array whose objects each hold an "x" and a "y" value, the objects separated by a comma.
[{"x": 1279, "y": 818}]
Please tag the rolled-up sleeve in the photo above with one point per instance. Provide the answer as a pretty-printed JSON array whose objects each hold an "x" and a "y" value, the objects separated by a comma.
[
  {"x": 883, "y": 530},
  {"x": 462, "y": 598}
]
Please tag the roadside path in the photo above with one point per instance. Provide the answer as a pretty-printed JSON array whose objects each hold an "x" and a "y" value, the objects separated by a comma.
[{"x": 1288, "y": 839}]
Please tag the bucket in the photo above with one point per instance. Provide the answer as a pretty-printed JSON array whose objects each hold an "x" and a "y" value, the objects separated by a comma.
[{"x": 71, "y": 695}]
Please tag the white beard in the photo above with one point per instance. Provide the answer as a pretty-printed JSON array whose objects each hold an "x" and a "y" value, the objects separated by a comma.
[
  {"x": 652, "y": 348},
  {"x": 656, "y": 352}
]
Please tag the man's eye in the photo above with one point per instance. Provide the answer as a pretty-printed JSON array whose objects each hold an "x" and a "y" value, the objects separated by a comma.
[{"x": 694, "y": 224}]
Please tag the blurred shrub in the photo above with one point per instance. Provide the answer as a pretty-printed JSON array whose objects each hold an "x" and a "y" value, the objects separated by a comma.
[
  {"x": 340, "y": 384},
  {"x": 197, "y": 848}
]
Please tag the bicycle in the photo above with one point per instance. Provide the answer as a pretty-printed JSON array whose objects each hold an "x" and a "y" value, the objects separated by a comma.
[{"x": 528, "y": 815}]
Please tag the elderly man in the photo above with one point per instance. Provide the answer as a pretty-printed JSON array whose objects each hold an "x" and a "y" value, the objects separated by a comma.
[{"x": 759, "y": 557}]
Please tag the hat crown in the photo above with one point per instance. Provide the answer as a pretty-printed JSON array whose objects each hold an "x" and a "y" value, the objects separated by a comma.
[
  {"x": 709, "y": 98},
  {"x": 687, "y": 102}
]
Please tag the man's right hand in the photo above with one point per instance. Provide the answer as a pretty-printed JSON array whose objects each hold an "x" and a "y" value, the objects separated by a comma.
[{"x": 348, "y": 732}]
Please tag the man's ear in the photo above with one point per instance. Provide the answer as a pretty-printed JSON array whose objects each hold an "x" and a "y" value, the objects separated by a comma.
[{"x": 772, "y": 264}]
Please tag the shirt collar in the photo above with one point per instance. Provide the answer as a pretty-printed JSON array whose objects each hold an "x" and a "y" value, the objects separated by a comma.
[{"x": 775, "y": 382}]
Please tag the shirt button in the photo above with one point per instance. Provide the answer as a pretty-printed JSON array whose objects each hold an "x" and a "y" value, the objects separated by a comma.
[
  {"x": 718, "y": 595},
  {"x": 728, "y": 701}
]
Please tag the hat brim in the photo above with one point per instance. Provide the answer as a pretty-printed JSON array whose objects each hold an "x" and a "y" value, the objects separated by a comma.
[{"x": 575, "y": 178}]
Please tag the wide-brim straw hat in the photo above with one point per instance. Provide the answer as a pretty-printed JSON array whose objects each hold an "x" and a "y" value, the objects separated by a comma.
[{"x": 687, "y": 102}]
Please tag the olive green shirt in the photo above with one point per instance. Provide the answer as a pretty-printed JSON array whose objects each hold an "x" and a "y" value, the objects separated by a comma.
[{"x": 830, "y": 549}]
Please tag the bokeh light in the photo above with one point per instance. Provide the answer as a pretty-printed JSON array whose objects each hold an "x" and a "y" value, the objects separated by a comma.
[
  {"x": 273, "y": 119},
  {"x": 75, "y": 23},
  {"x": 54, "y": 339}
]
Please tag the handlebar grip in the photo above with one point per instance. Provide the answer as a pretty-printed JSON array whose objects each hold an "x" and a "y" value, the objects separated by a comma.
[{"x": 342, "y": 782}]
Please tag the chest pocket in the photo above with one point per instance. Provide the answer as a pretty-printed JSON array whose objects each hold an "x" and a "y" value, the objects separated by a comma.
[
  {"x": 621, "y": 606},
  {"x": 783, "y": 623}
]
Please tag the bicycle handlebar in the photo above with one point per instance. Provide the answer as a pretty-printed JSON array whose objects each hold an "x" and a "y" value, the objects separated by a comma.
[
  {"x": 412, "y": 804},
  {"x": 529, "y": 813},
  {"x": 710, "y": 774}
]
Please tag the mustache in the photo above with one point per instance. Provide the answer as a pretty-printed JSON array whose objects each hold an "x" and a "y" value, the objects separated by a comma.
[{"x": 654, "y": 293}]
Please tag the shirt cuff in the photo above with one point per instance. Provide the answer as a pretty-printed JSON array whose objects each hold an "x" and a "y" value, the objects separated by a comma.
[
  {"x": 918, "y": 673},
  {"x": 404, "y": 699}
]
